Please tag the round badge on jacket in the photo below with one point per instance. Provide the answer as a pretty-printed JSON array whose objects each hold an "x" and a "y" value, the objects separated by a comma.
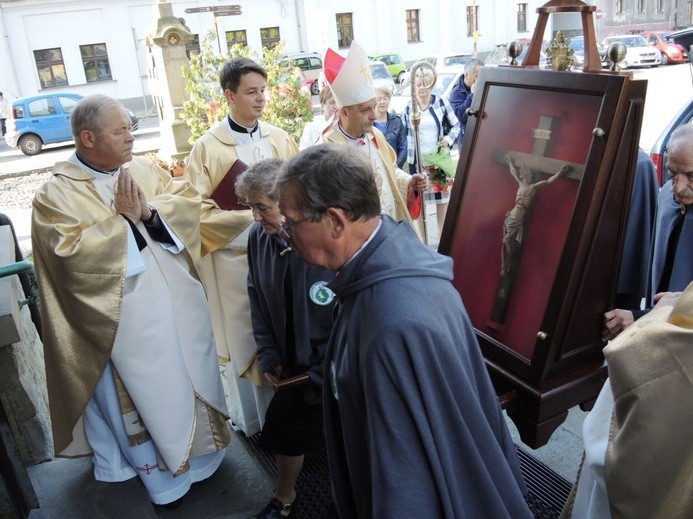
[{"x": 320, "y": 294}]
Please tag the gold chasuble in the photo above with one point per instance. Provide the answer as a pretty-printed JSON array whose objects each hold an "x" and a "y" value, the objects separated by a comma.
[
  {"x": 224, "y": 266},
  {"x": 649, "y": 458},
  {"x": 151, "y": 324},
  {"x": 638, "y": 449}
]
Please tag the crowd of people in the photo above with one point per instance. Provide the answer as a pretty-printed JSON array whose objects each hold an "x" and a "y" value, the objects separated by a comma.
[{"x": 303, "y": 275}]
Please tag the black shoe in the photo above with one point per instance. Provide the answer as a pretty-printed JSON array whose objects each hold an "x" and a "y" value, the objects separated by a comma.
[{"x": 274, "y": 509}]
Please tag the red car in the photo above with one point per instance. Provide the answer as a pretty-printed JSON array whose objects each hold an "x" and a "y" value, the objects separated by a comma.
[{"x": 671, "y": 52}]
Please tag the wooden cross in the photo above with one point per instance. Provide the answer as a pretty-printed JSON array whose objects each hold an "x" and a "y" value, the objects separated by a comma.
[{"x": 519, "y": 217}]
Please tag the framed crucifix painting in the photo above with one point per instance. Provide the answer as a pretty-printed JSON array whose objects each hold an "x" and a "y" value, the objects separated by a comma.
[{"x": 536, "y": 224}]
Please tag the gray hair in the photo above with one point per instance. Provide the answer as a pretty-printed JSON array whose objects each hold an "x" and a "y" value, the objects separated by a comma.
[
  {"x": 681, "y": 137},
  {"x": 258, "y": 179},
  {"x": 471, "y": 65},
  {"x": 331, "y": 175},
  {"x": 385, "y": 89},
  {"x": 88, "y": 114}
]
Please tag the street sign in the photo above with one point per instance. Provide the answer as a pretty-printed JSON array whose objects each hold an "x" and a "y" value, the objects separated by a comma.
[
  {"x": 227, "y": 13},
  {"x": 599, "y": 13},
  {"x": 208, "y": 9},
  {"x": 218, "y": 10},
  {"x": 226, "y": 8}
]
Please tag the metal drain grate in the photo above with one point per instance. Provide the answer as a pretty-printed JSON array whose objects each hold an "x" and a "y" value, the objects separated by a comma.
[{"x": 547, "y": 491}]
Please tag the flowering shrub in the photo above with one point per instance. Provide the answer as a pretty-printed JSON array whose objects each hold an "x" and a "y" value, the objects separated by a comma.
[{"x": 288, "y": 106}]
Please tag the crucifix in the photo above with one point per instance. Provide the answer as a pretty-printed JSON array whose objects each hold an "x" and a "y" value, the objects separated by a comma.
[{"x": 525, "y": 168}]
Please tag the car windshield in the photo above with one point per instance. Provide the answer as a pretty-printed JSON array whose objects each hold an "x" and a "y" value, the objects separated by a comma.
[
  {"x": 577, "y": 44},
  {"x": 628, "y": 41},
  {"x": 454, "y": 60},
  {"x": 378, "y": 71}
]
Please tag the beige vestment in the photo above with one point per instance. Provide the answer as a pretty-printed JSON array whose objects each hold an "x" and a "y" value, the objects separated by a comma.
[
  {"x": 93, "y": 314},
  {"x": 646, "y": 468},
  {"x": 224, "y": 267}
]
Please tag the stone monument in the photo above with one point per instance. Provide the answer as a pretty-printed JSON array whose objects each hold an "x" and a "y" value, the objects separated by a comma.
[{"x": 167, "y": 56}]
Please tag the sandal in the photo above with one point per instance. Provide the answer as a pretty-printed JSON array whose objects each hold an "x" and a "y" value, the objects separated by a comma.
[{"x": 275, "y": 509}]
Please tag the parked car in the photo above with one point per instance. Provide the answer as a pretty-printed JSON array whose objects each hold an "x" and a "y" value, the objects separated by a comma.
[
  {"x": 311, "y": 65},
  {"x": 683, "y": 37},
  {"x": 639, "y": 53},
  {"x": 306, "y": 84},
  {"x": 446, "y": 79},
  {"x": 500, "y": 56},
  {"x": 577, "y": 43},
  {"x": 449, "y": 60},
  {"x": 671, "y": 52},
  {"x": 381, "y": 76},
  {"x": 659, "y": 151},
  {"x": 394, "y": 63},
  {"x": 35, "y": 121}
]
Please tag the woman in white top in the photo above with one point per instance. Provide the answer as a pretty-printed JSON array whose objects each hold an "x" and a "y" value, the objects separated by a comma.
[{"x": 313, "y": 130}]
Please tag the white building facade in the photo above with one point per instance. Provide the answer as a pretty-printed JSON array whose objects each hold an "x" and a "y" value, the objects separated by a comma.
[{"x": 98, "y": 46}]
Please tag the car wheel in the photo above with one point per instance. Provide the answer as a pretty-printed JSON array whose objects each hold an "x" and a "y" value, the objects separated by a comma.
[
  {"x": 30, "y": 144},
  {"x": 314, "y": 88},
  {"x": 665, "y": 59},
  {"x": 400, "y": 78}
]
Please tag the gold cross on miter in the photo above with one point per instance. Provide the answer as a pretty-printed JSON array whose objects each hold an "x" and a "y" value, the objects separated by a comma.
[{"x": 365, "y": 72}]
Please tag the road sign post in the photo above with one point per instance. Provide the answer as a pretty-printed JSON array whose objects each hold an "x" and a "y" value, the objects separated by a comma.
[{"x": 217, "y": 10}]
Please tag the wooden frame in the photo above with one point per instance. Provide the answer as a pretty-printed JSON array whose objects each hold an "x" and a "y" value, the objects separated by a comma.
[{"x": 544, "y": 344}]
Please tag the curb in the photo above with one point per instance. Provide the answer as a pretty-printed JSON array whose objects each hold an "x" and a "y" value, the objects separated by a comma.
[{"x": 45, "y": 169}]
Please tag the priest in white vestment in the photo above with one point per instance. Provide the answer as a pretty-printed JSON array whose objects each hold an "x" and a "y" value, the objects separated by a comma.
[
  {"x": 130, "y": 355},
  {"x": 224, "y": 268}
]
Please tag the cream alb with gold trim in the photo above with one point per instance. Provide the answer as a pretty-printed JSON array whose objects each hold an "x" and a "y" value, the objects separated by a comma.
[{"x": 224, "y": 266}]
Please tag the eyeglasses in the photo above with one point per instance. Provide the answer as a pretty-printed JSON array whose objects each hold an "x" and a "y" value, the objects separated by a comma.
[{"x": 286, "y": 227}]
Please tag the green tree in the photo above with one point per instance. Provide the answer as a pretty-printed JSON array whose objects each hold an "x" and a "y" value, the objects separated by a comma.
[{"x": 288, "y": 105}]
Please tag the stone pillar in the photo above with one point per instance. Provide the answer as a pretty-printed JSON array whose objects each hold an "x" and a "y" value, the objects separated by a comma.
[
  {"x": 167, "y": 57},
  {"x": 22, "y": 372}
]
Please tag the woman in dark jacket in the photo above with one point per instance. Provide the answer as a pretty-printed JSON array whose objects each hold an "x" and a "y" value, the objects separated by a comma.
[{"x": 390, "y": 124}]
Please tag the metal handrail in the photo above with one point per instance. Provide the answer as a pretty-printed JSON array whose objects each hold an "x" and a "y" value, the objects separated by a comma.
[{"x": 20, "y": 267}]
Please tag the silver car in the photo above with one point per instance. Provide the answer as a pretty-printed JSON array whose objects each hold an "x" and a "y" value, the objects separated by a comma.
[{"x": 639, "y": 53}]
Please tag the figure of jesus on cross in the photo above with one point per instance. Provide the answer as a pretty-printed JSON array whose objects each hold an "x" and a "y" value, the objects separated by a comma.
[{"x": 516, "y": 220}]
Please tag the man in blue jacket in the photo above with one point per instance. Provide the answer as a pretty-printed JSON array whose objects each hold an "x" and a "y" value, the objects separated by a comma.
[
  {"x": 412, "y": 423},
  {"x": 463, "y": 93}
]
